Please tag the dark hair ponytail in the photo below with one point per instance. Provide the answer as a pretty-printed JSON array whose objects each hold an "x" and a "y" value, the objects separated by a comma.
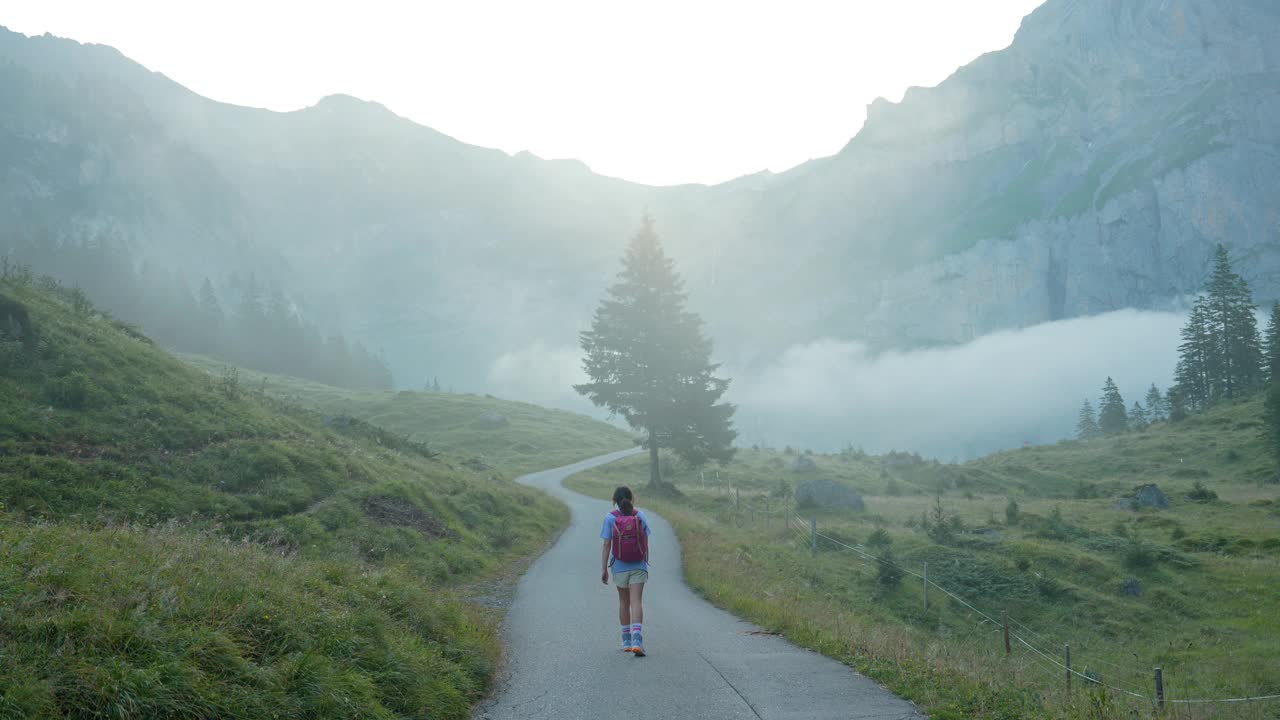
[{"x": 625, "y": 501}]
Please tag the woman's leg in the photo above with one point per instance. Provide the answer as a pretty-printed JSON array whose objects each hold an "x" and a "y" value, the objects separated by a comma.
[
  {"x": 636, "y": 602},
  {"x": 624, "y": 606}
]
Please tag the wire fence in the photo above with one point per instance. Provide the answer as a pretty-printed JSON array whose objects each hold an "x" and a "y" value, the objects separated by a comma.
[{"x": 805, "y": 530}]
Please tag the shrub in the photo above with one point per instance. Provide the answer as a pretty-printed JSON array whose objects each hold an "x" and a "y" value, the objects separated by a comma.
[
  {"x": 879, "y": 539},
  {"x": 783, "y": 489},
  {"x": 1138, "y": 556},
  {"x": 1055, "y": 527},
  {"x": 80, "y": 302},
  {"x": 74, "y": 391},
  {"x": 1011, "y": 513},
  {"x": 938, "y": 525},
  {"x": 1200, "y": 493},
  {"x": 230, "y": 382},
  {"x": 888, "y": 574}
]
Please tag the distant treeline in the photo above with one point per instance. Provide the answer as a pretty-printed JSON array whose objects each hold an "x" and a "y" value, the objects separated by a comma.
[
  {"x": 242, "y": 320},
  {"x": 1222, "y": 358}
]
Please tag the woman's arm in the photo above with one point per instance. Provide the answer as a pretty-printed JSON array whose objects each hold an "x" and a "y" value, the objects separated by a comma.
[{"x": 604, "y": 561}]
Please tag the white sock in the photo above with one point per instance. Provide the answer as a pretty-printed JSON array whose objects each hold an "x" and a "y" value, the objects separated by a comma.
[{"x": 635, "y": 629}]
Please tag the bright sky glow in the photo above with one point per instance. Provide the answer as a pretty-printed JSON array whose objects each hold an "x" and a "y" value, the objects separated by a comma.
[{"x": 663, "y": 92}]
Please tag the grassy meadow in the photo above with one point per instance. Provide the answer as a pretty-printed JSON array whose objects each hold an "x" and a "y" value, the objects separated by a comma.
[
  {"x": 1192, "y": 589},
  {"x": 178, "y": 543},
  {"x": 534, "y": 438}
]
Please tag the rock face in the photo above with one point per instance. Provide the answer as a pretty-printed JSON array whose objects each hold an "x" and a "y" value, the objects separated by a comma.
[
  {"x": 1091, "y": 165},
  {"x": 827, "y": 494}
]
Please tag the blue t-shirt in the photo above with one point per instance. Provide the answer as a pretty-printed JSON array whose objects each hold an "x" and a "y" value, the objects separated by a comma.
[{"x": 606, "y": 533}]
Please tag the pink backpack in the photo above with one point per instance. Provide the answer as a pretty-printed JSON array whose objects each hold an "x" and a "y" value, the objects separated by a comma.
[{"x": 630, "y": 544}]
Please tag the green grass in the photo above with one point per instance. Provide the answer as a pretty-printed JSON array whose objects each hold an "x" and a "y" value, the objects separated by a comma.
[
  {"x": 169, "y": 621},
  {"x": 535, "y": 438},
  {"x": 178, "y": 544},
  {"x": 1209, "y": 571}
]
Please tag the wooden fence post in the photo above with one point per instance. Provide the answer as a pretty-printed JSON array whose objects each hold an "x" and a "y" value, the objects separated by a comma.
[
  {"x": 813, "y": 535},
  {"x": 1004, "y": 620},
  {"x": 1160, "y": 688},
  {"x": 926, "y": 587},
  {"x": 1068, "y": 651}
]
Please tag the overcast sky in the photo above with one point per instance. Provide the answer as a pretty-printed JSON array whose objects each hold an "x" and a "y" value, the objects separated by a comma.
[{"x": 663, "y": 92}]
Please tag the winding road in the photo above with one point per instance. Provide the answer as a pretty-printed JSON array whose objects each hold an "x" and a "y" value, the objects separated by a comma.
[{"x": 564, "y": 662}]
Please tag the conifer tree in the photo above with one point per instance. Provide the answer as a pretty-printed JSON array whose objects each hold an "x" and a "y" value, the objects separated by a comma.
[
  {"x": 1138, "y": 418},
  {"x": 1238, "y": 364},
  {"x": 647, "y": 360},
  {"x": 1271, "y": 345},
  {"x": 1195, "y": 358},
  {"x": 1155, "y": 405},
  {"x": 1087, "y": 424},
  {"x": 1112, "y": 418},
  {"x": 1177, "y": 406}
]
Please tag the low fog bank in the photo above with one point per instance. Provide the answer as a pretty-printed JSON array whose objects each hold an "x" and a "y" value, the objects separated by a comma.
[
  {"x": 957, "y": 402},
  {"x": 996, "y": 392}
]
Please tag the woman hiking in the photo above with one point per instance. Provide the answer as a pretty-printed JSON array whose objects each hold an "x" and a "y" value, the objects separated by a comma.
[{"x": 626, "y": 550}]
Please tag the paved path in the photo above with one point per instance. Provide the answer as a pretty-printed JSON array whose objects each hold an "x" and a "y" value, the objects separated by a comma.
[{"x": 564, "y": 661}]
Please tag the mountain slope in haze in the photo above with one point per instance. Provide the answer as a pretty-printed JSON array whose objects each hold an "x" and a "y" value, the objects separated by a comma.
[
  {"x": 515, "y": 437},
  {"x": 1090, "y": 166},
  {"x": 178, "y": 545}
]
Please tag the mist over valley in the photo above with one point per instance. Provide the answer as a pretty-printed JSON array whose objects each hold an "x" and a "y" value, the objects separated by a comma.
[{"x": 1025, "y": 189}]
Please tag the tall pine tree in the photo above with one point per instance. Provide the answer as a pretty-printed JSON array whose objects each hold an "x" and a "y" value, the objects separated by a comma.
[
  {"x": 1139, "y": 419},
  {"x": 1155, "y": 405},
  {"x": 1191, "y": 378},
  {"x": 1177, "y": 406},
  {"x": 1087, "y": 424},
  {"x": 1271, "y": 345},
  {"x": 648, "y": 361},
  {"x": 1112, "y": 417},
  {"x": 1238, "y": 366}
]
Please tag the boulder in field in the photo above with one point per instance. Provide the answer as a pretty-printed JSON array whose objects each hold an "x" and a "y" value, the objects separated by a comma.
[
  {"x": 492, "y": 421},
  {"x": 827, "y": 494},
  {"x": 1144, "y": 496}
]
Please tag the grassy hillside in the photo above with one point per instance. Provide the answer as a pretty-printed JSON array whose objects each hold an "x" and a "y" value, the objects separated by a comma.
[
  {"x": 1191, "y": 589},
  {"x": 533, "y": 437},
  {"x": 177, "y": 544}
]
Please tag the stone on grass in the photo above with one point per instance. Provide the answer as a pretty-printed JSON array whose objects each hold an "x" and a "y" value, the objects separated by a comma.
[
  {"x": 827, "y": 494},
  {"x": 1144, "y": 496}
]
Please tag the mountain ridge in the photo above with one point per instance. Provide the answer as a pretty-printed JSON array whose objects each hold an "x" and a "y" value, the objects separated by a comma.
[{"x": 1089, "y": 166}]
